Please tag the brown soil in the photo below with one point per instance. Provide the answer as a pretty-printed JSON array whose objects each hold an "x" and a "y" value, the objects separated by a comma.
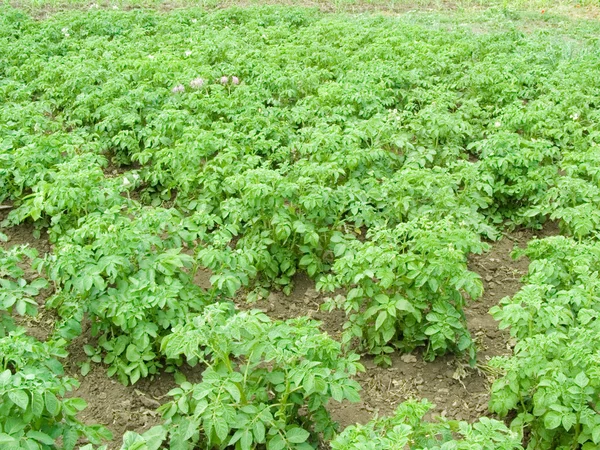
[
  {"x": 24, "y": 234},
  {"x": 45, "y": 10},
  {"x": 121, "y": 408},
  {"x": 458, "y": 391}
]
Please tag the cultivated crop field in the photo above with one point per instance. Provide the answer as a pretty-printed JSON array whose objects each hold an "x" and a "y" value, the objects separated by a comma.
[{"x": 276, "y": 228}]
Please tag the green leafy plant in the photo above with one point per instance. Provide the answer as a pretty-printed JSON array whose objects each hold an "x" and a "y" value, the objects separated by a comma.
[
  {"x": 16, "y": 293},
  {"x": 126, "y": 272},
  {"x": 408, "y": 429},
  {"x": 33, "y": 411},
  {"x": 68, "y": 193},
  {"x": 551, "y": 380},
  {"x": 574, "y": 202},
  {"x": 265, "y": 383},
  {"x": 150, "y": 440},
  {"x": 406, "y": 288},
  {"x": 524, "y": 169}
]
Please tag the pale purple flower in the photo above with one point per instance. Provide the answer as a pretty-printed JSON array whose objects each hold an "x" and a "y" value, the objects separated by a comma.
[
  {"x": 177, "y": 89},
  {"x": 197, "y": 83},
  {"x": 235, "y": 80},
  {"x": 224, "y": 79}
]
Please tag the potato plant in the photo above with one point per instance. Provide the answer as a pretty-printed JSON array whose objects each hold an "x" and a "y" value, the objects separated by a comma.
[
  {"x": 17, "y": 294},
  {"x": 70, "y": 191},
  {"x": 408, "y": 429},
  {"x": 406, "y": 288},
  {"x": 34, "y": 412},
  {"x": 126, "y": 272},
  {"x": 551, "y": 380},
  {"x": 264, "y": 382}
]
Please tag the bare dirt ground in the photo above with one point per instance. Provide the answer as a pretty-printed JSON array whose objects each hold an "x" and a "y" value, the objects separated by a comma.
[
  {"x": 457, "y": 390},
  {"x": 584, "y": 10}
]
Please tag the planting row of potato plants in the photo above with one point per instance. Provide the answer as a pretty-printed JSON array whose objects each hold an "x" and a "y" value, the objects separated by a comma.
[{"x": 373, "y": 154}]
